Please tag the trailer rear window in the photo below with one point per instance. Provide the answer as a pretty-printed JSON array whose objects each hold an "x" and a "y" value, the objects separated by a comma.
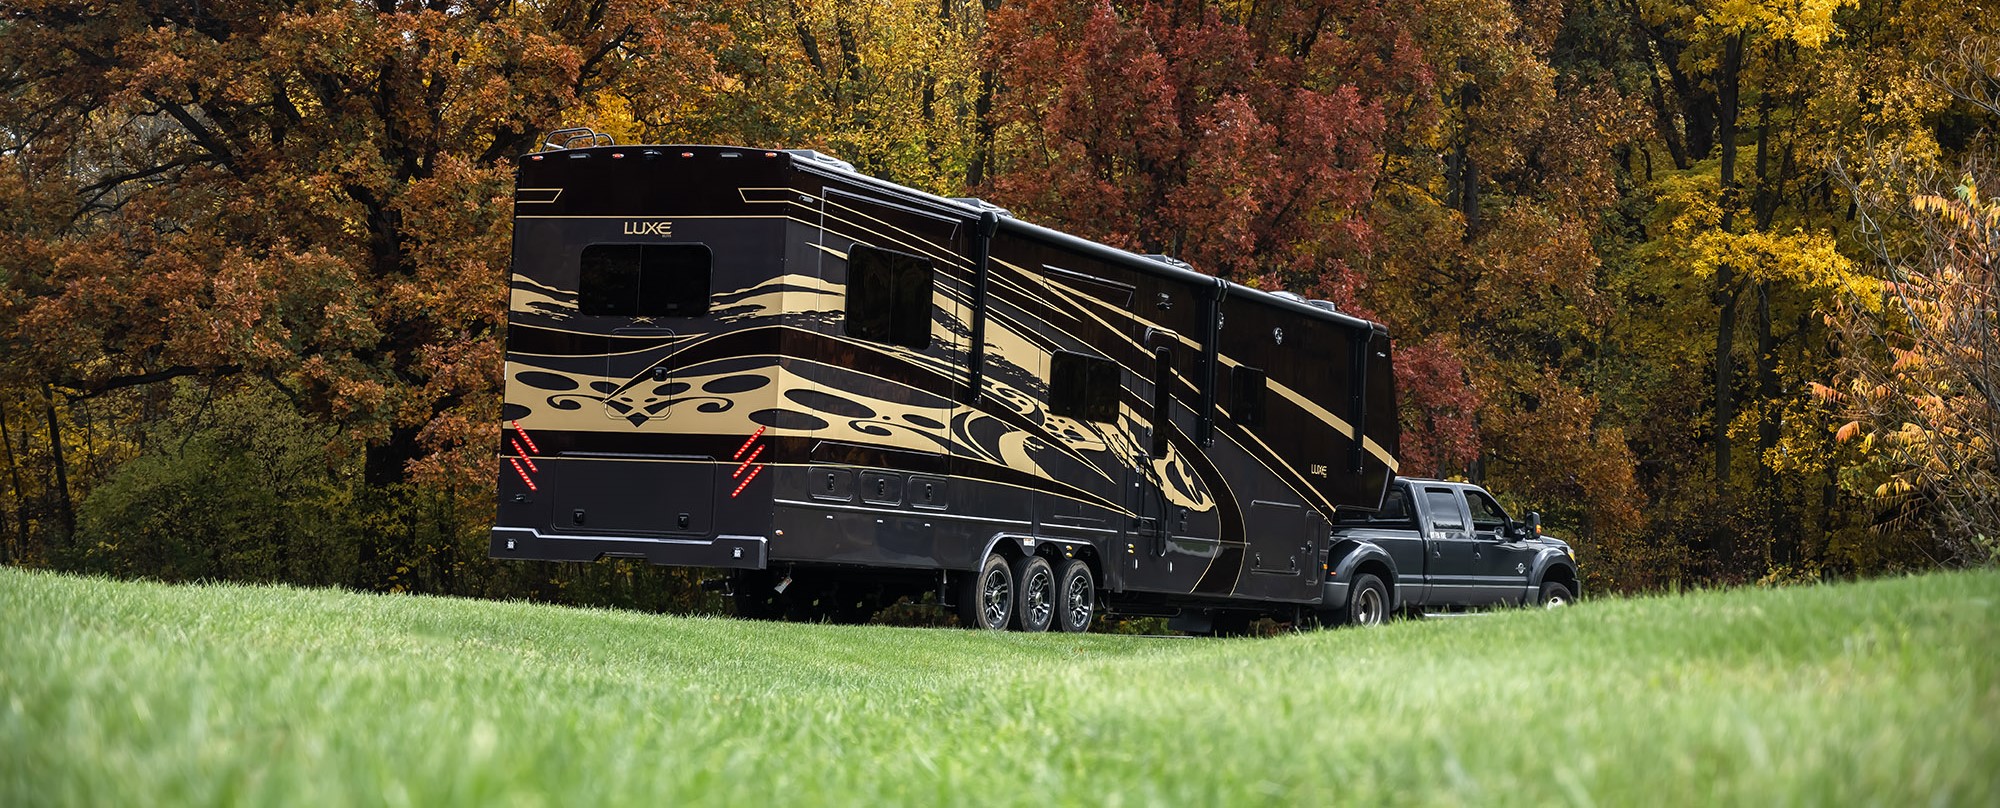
[
  {"x": 644, "y": 280},
  {"x": 889, "y": 297},
  {"x": 1083, "y": 386}
]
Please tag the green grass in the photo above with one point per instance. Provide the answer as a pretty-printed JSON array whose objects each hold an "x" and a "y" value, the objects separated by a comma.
[{"x": 134, "y": 694}]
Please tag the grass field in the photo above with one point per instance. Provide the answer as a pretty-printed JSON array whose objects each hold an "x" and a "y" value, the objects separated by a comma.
[{"x": 134, "y": 694}]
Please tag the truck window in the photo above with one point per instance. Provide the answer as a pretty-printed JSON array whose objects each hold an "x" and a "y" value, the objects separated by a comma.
[
  {"x": 1084, "y": 387},
  {"x": 1395, "y": 512},
  {"x": 1443, "y": 505},
  {"x": 1486, "y": 514},
  {"x": 643, "y": 280},
  {"x": 889, "y": 297}
]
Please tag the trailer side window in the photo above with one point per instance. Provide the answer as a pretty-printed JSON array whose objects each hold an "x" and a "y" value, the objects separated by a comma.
[
  {"x": 644, "y": 280},
  {"x": 1247, "y": 405},
  {"x": 889, "y": 297},
  {"x": 1083, "y": 386}
]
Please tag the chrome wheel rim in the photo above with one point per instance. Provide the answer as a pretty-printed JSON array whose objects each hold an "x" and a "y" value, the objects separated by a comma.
[
  {"x": 1555, "y": 602},
  {"x": 1040, "y": 588},
  {"x": 1080, "y": 600},
  {"x": 1368, "y": 607},
  {"x": 994, "y": 595}
]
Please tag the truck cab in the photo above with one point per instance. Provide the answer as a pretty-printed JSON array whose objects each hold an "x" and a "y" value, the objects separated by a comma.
[{"x": 1437, "y": 545}]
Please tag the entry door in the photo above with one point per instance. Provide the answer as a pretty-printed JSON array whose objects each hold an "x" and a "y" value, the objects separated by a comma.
[{"x": 1156, "y": 514}]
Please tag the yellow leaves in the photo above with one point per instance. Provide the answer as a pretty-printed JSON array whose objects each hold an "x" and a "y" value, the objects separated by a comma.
[
  {"x": 1809, "y": 261},
  {"x": 1809, "y": 23}
]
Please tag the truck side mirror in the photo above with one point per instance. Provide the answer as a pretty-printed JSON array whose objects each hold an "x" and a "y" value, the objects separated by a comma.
[{"x": 1535, "y": 522}]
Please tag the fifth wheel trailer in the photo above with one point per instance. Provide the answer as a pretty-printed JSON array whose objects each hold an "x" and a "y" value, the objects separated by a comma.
[{"x": 846, "y": 391}]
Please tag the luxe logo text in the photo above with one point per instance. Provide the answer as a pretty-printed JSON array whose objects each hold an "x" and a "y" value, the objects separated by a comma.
[{"x": 661, "y": 229}]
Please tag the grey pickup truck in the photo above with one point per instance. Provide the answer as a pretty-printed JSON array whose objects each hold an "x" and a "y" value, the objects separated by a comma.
[{"x": 1436, "y": 545}]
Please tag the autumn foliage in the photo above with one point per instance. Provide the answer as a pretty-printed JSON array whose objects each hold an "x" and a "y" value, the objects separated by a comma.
[{"x": 1625, "y": 288}]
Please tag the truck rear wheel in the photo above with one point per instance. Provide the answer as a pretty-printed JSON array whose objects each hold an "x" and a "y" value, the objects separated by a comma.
[
  {"x": 1035, "y": 594},
  {"x": 1076, "y": 597},
  {"x": 986, "y": 599},
  {"x": 1367, "y": 603}
]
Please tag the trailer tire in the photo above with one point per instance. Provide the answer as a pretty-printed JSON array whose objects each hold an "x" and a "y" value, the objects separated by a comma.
[
  {"x": 1367, "y": 603},
  {"x": 1076, "y": 597},
  {"x": 986, "y": 599},
  {"x": 1034, "y": 594}
]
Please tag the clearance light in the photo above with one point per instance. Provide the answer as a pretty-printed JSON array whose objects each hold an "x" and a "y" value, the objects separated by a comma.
[
  {"x": 617, "y": 155},
  {"x": 535, "y": 157},
  {"x": 770, "y": 154},
  {"x": 687, "y": 154}
]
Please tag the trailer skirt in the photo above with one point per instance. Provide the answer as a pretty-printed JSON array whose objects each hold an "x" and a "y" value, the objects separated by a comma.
[{"x": 727, "y": 552}]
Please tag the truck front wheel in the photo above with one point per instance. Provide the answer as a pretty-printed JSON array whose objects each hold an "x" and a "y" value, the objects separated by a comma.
[
  {"x": 1555, "y": 595},
  {"x": 1367, "y": 603}
]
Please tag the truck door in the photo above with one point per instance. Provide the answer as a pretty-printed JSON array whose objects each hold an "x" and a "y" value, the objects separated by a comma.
[
  {"x": 1449, "y": 536},
  {"x": 1500, "y": 564}
]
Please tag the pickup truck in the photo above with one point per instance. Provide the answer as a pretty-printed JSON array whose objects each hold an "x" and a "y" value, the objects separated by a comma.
[{"x": 1441, "y": 545}]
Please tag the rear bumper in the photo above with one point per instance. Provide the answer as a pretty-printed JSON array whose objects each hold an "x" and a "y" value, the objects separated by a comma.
[{"x": 728, "y": 552}]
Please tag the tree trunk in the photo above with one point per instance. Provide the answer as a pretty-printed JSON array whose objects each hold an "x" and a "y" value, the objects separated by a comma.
[
  {"x": 65, "y": 514},
  {"x": 981, "y": 165},
  {"x": 17, "y": 549},
  {"x": 1725, "y": 275}
]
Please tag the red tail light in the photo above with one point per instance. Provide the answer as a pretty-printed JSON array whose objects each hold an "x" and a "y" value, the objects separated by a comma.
[{"x": 747, "y": 470}]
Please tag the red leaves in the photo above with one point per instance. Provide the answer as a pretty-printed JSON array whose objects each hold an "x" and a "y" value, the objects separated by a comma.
[{"x": 1167, "y": 128}]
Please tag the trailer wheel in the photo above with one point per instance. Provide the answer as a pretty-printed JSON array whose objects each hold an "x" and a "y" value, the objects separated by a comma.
[
  {"x": 1076, "y": 597},
  {"x": 1035, "y": 594},
  {"x": 1367, "y": 603},
  {"x": 986, "y": 600}
]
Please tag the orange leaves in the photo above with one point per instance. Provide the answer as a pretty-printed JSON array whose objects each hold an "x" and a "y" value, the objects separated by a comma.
[{"x": 1847, "y": 432}]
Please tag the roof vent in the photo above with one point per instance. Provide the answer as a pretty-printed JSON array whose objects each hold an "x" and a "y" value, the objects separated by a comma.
[
  {"x": 1291, "y": 296},
  {"x": 827, "y": 160},
  {"x": 981, "y": 204},
  {"x": 1172, "y": 262},
  {"x": 1323, "y": 304}
]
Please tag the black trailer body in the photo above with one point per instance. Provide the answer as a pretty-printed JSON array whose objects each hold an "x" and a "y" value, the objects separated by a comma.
[{"x": 763, "y": 361}]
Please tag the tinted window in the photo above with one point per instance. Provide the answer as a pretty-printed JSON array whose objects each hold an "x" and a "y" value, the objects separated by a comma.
[
  {"x": 1443, "y": 506},
  {"x": 643, "y": 280},
  {"x": 1395, "y": 511},
  {"x": 889, "y": 297},
  {"x": 1247, "y": 401},
  {"x": 1486, "y": 514},
  {"x": 1083, "y": 386}
]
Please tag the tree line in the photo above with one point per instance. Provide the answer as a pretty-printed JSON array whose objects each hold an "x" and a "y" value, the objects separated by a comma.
[{"x": 1709, "y": 284}]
